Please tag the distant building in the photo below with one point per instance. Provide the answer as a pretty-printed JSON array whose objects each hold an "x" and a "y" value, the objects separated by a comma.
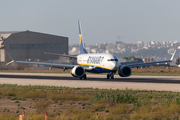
[
  {"x": 148, "y": 59},
  {"x": 118, "y": 42},
  {"x": 140, "y": 42},
  {"x": 102, "y": 46},
  {"x": 30, "y": 46},
  {"x": 110, "y": 46},
  {"x": 170, "y": 51}
]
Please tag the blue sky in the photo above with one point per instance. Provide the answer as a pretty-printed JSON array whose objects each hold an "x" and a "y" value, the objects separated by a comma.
[{"x": 101, "y": 20}]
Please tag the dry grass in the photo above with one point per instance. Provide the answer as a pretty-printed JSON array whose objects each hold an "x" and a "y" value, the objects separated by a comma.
[
  {"x": 41, "y": 106},
  {"x": 98, "y": 106},
  {"x": 120, "y": 109},
  {"x": 160, "y": 70},
  {"x": 144, "y": 112},
  {"x": 165, "y": 111},
  {"x": 34, "y": 116},
  {"x": 86, "y": 103},
  {"x": 31, "y": 94},
  {"x": 8, "y": 117}
]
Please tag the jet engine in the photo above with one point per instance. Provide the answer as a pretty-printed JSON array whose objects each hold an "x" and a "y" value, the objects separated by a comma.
[
  {"x": 124, "y": 71},
  {"x": 77, "y": 71}
]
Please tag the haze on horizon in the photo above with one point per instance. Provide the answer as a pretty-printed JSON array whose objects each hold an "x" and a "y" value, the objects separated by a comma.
[{"x": 101, "y": 20}]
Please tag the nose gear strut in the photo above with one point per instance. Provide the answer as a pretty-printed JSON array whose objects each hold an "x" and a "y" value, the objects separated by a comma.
[{"x": 111, "y": 75}]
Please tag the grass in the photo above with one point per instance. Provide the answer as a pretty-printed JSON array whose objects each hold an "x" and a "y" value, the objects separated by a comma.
[
  {"x": 157, "y": 74},
  {"x": 157, "y": 71},
  {"x": 41, "y": 106},
  {"x": 87, "y": 103}
]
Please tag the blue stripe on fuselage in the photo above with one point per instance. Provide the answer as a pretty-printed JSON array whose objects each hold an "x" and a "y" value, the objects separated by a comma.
[{"x": 99, "y": 70}]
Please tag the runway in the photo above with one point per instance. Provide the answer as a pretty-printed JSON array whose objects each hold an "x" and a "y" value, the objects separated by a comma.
[{"x": 163, "y": 83}]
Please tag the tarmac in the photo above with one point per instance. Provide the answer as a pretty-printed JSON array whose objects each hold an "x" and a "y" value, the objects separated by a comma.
[{"x": 160, "y": 83}]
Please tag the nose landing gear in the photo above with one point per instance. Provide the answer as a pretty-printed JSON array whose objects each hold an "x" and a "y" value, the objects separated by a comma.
[{"x": 111, "y": 75}]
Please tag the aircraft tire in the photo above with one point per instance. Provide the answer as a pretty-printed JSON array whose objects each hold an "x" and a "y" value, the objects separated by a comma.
[
  {"x": 108, "y": 76},
  {"x": 84, "y": 76},
  {"x": 112, "y": 76}
]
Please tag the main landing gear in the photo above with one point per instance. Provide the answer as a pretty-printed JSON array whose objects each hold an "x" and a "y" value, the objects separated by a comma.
[
  {"x": 84, "y": 76},
  {"x": 111, "y": 75}
]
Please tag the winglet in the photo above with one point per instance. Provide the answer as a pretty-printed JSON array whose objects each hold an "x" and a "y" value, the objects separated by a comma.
[
  {"x": 10, "y": 62},
  {"x": 173, "y": 55}
]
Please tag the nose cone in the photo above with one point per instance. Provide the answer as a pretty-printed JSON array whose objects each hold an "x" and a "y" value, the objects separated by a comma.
[
  {"x": 114, "y": 62},
  {"x": 115, "y": 65}
]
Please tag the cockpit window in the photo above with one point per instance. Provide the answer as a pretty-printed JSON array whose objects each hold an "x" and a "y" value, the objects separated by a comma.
[{"x": 112, "y": 59}]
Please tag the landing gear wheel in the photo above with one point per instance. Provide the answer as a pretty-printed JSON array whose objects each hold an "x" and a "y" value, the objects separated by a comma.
[
  {"x": 112, "y": 76},
  {"x": 84, "y": 76},
  {"x": 108, "y": 75}
]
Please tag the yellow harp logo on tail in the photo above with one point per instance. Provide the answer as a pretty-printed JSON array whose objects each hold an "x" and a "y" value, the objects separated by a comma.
[{"x": 80, "y": 38}]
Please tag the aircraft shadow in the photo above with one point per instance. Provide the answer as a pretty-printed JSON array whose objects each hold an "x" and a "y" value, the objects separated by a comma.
[{"x": 120, "y": 79}]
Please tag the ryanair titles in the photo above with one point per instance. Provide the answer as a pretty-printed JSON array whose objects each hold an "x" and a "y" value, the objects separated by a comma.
[{"x": 95, "y": 59}]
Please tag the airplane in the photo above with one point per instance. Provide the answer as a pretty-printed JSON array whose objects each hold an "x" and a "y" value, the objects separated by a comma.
[{"x": 94, "y": 63}]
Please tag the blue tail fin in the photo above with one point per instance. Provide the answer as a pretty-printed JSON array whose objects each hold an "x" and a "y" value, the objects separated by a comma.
[{"x": 82, "y": 49}]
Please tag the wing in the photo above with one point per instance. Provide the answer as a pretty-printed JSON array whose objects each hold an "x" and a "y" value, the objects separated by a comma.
[
  {"x": 45, "y": 64},
  {"x": 151, "y": 63},
  {"x": 56, "y": 65},
  {"x": 61, "y": 55},
  {"x": 134, "y": 62}
]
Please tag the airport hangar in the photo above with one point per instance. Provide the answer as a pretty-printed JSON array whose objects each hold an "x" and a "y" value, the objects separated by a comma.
[{"x": 30, "y": 46}]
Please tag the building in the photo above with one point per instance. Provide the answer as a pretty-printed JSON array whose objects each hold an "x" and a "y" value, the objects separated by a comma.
[
  {"x": 30, "y": 46},
  {"x": 148, "y": 60}
]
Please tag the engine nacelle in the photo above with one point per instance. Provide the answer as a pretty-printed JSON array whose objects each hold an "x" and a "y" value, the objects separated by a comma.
[
  {"x": 77, "y": 71},
  {"x": 124, "y": 71}
]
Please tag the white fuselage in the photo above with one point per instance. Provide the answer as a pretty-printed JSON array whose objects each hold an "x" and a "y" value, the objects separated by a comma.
[{"x": 101, "y": 62}]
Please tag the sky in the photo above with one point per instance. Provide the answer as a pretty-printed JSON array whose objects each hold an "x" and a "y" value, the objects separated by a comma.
[{"x": 101, "y": 20}]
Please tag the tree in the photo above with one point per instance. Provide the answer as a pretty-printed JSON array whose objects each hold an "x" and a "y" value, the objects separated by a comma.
[
  {"x": 132, "y": 58},
  {"x": 178, "y": 61}
]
